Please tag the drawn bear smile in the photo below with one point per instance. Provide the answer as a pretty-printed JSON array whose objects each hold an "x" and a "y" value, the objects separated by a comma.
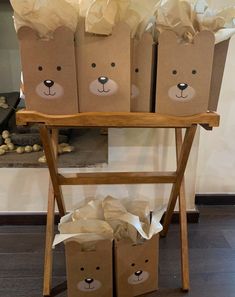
[
  {"x": 103, "y": 91},
  {"x": 103, "y": 86},
  {"x": 49, "y": 93},
  {"x": 181, "y": 95},
  {"x": 89, "y": 284},
  {"x": 181, "y": 92},
  {"x": 138, "y": 277},
  {"x": 49, "y": 89}
]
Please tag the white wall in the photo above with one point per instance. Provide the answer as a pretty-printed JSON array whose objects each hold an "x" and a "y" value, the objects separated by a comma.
[
  {"x": 216, "y": 163},
  {"x": 129, "y": 150}
]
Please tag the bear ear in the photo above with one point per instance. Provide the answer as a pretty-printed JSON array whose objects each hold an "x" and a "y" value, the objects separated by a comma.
[
  {"x": 63, "y": 35},
  {"x": 204, "y": 38},
  {"x": 26, "y": 33},
  {"x": 168, "y": 38}
]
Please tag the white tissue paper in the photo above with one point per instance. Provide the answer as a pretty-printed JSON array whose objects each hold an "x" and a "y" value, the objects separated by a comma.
[{"x": 109, "y": 219}]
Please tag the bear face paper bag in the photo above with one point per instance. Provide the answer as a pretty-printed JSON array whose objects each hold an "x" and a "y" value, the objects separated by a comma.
[
  {"x": 104, "y": 69},
  {"x": 49, "y": 71},
  {"x": 184, "y": 74},
  {"x": 89, "y": 273},
  {"x": 136, "y": 267},
  {"x": 141, "y": 75}
]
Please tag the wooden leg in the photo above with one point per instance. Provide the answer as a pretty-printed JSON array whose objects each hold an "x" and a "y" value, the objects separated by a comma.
[
  {"x": 183, "y": 158},
  {"x": 183, "y": 220},
  {"x": 48, "y": 258},
  {"x": 49, "y": 146}
]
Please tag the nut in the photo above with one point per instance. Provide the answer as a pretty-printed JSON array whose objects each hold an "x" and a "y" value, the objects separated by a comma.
[
  {"x": 11, "y": 146},
  {"x": 4, "y": 105},
  {"x": 20, "y": 150},
  {"x": 2, "y": 99},
  {"x": 28, "y": 149},
  {"x": 5, "y": 134},
  {"x": 2, "y": 152},
  {"x": 37, "y": 147},
  {"x": 42, "y": 159},
  {"x": 4, "y": 147},
  {"x": 68, "y": 149},
  {"x": 7, "y": 140}
]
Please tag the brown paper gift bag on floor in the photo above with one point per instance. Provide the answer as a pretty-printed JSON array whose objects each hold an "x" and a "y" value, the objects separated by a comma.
[
  {"x": 89, "y": 273},
  {"x": 104, "y": 69},
  {"x": 49, "y": 71},
  {"x": 184, "y": 74},
  {"x": 136, "y": 267},
  {"x": 141, "y": 73}
]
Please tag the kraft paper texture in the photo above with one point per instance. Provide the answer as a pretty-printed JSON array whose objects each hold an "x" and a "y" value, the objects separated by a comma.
[
  {"x": 183, "y": 80},
  {"x": 89, "y": 273},
  {"x": 141, "y": 73},
  {"x": 106, "y": 62},
  {"x": 49, "y": 71},
  {"x": 136, "y": 267}
]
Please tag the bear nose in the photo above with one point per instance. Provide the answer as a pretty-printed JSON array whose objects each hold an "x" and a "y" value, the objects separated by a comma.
[
  {"x": 103, "y": 79},
  {"x": 182, "y": 86},
  {"x": 89, "y": 280},
  {"x": 138, "y": 272},
  {"x": 48, "y": 83}
]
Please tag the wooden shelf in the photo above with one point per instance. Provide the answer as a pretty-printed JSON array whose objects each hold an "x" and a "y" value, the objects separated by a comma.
[
  {"x": 118, "y": 119},
  {"x": 49, "y": 125},
  {"x": 117, "y": 178}
]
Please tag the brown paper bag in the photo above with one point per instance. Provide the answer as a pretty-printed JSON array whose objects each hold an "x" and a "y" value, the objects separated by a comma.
[
  {"x": 89, "y": 273},
  {"x": 104, "y": 69},
  {"x": 141, "y": 73},
  {"x": 136, "y": 267},
  {"x": 49, "y": 71},
  {"x": 184, "y": 74},
  {"x": 219, "y": 60}
]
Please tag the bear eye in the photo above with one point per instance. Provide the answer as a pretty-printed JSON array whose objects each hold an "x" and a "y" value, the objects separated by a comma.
[
  {"x": 136, "y": 70},
  {"x": 93, "y": 65},
  {"x": 194, "y": 71},
  {"x": 82, "y": 268},
  {"x": 40, "y": 68},
  {"x": 146, "y": 261},
  {"x": 58, "y": 68},
  {"x": 174, "y": 72},
  {"x": 113, "y": 64},
  {"x": 97, "y": 268},
  {"x": 133, "y": 264}
]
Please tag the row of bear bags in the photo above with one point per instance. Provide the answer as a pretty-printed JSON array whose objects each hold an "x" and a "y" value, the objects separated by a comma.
[
  {"x": 106, "y": 66},
  {"x": 135, "y": 268},
  {"x": 102, "y": 67}
]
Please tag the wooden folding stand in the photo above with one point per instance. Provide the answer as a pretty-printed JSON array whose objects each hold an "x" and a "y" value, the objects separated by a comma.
[{"x": 49, "y": 133}]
